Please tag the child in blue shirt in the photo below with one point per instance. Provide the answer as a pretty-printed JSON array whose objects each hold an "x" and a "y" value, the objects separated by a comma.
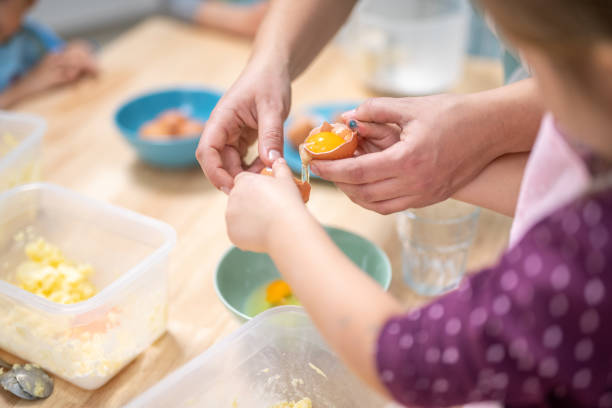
[
  {"x": 240, "y": 17},
  {"x": 34, "y": 59}
]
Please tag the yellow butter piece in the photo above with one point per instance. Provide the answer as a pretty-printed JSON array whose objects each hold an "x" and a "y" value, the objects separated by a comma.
[
  {"x": 49, "y": 274},
  {"x": 303, "y": 403}
]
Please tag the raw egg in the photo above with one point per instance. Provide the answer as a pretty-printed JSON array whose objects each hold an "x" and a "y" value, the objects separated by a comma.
[
  {"x": 304, "y": 187},
  {"x": 329, "y": 142},
  {"x": 171, "y": 124},
  {"x": 278, "y": 293},
  {"x": 190, "y": 128},
  {"x": 154, "y": 131},
  {"x": 172, "y": 118}
]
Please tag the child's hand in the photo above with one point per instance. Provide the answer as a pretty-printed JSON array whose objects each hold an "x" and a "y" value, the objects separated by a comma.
[
  {"x": 61, "y": 68},
  {"x": 258, "y": 205},
  {"x": 79, "y": 55}
]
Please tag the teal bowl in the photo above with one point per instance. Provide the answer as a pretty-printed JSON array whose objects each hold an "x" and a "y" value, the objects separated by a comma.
[
  {"x": 240, "y": 273},
  {"x": 197, "y": 103}
]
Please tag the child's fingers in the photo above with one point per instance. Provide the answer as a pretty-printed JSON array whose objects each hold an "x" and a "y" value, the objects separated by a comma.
[{"x": 281, "y": 170}]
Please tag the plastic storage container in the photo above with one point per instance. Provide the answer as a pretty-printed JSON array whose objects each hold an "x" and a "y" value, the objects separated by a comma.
[
  {"x": 20, "y": 145},
  {"x": 409, "y": 47},
  {"x": 273, "y": 358},
  {"x": 88, "y": 342}
]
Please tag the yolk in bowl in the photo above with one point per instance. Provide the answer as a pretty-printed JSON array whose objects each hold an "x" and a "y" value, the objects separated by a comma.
[
  {"x": 277, "y": 291},
  {"x": 269, "y": 295}
]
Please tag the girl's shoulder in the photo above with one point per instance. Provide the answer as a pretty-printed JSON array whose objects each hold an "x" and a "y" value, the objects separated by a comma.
[{"x": 577, "y": 236}]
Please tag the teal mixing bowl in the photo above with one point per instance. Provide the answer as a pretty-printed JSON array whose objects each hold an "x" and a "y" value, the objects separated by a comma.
[
  {"x": 240, "y": 273},
  {"x": 197, "y": 103}
]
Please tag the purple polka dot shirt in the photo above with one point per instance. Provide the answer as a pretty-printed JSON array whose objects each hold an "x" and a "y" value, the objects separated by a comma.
[{"x": 532, "y": 331}]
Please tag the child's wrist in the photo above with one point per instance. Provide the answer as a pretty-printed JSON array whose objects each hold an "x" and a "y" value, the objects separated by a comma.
[{"x": 288, "y": 226}]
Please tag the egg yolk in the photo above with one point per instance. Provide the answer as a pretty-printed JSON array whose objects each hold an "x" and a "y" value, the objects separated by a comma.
[
  {"x": 323, "y": 142},
  {"x": 277, "y": 292}
]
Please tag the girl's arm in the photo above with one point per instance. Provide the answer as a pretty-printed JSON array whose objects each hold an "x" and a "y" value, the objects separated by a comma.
[
  {"x": 266, "y": 214},
  {"x": 347, "y": 306},
  {"x": 497, "y": 186}
]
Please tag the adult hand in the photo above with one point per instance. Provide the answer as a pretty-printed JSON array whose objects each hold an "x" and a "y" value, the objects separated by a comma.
[
  {"x": 253, "y": 108},
  {"x": 414, "y": 152}
]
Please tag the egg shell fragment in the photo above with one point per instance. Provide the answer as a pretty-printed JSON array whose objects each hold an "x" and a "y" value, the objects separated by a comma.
[{"x": 304, "y": 187}]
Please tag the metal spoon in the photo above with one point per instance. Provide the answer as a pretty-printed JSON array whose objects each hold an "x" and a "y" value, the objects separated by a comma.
[{"x": 28, "y": 381}]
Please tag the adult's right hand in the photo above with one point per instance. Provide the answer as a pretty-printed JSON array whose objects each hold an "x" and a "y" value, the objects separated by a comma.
[{"x": 254, "y": 108}]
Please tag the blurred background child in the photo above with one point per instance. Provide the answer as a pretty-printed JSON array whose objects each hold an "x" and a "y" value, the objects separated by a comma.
[
  {"x": 240, "y": 17},
  {"x": 34, "y": 59}
]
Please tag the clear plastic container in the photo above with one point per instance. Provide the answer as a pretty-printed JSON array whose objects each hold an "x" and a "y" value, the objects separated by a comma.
[
  {"x": 85, "y": 343},
  {"x": 278, "y": 356},
  {"x": 20, "y": 146},
  {"x": 409, "y": 47}
]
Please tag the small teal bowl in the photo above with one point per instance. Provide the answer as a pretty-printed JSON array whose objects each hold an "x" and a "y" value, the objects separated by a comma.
[
  {"x": 195, "y": 102},
  {"x": 239, "y": 272}
]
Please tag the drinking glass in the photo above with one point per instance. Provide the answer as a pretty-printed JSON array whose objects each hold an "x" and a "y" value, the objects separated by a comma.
[{"x": 435, "y": 244}]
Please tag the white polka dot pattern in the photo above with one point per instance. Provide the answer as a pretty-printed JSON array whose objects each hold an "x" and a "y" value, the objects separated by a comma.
[
  {"x": 406, "y": 341},
  {"x": 583, "y": 350},
  {"x": 560, "y": 277},
  {"x": 509, "y": 280},
  {"x": 533, "y": 265},
  {"x": 582, "y": 379},
  {"x": 450, "y": 355},
  {"x": 501, "y": 305},
  {"x": 548, "y": 367},
  {"x": 594, "y": 292},
  {"x": 589, "y": 321},
  {"x": 495, "y": 353},
  {"x": 453, "y": 326},
  {"x": 436, "y": 311},
  {"x": 552, "y": 337}
]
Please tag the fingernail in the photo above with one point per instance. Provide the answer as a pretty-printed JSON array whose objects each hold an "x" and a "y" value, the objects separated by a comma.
[
  {"x": 280, "y": 160},
  {"x": 353, "y": 124},
  {"x": 225, "y": 190},
  {"x": 273, "y": 155}
]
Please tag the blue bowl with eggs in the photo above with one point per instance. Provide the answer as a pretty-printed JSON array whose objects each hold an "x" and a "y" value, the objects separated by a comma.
[{"x": 197, "y": 103}]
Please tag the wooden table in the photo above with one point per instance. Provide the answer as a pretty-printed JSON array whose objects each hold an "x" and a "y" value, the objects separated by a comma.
[{"x": 83, "y": 151}]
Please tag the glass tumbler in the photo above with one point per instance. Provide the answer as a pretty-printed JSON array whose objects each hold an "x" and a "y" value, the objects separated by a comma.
[{"x": 435, "y": 244}]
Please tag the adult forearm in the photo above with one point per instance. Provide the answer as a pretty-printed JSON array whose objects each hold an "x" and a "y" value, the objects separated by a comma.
[
  {"x": 508, "y": 118},
  {"x": 294, "y": 32},
  {"x": 347, "y": 306}
]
